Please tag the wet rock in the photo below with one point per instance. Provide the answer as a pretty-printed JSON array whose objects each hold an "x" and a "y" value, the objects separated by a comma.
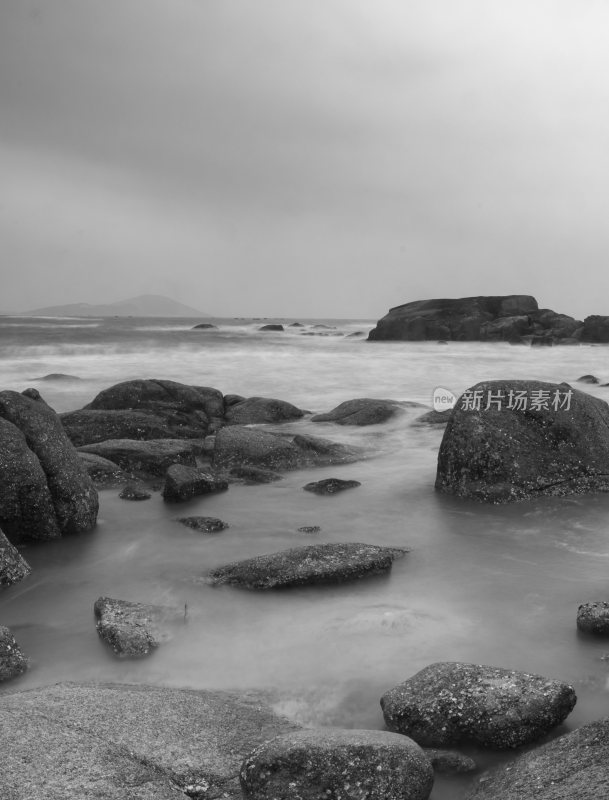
[
  {"x": 434, "y": 417},
  {"x": 147, "y": 458},
  {"x": 295, "y": 325},
  {"x": 57, "y": 377},
  {"x": 134, "y": 629},
  {"x": 254, "y": 475},
  {"x": 204, "y": 326},
  {"x": 183, "y": 483},
  {"x": 449, "y": 762},
  {"x": 13, "y": 567},
  {"x": 271, "y": 328},
  {"x": 596, "y": 329},
  {"x": 321, "y": 563},
  {"x": 204, "y": 524},
  {"x": 231, "y": 399},
  {"x": 588, "y": 379},
  {"x": 361, "y": 411},
  {"x": 12, "y": 660},
  {"x": 134, "y": 491},
  {"x": 309, "y": 529},
  {"x": 330, "y": 486},
  {"x": 355, "y": 334},
  {"x": 256, "y": 410},
  {"x": 98, "y": 425},
  {"x": 448, "y": 703},
  {"x": 44, "y": 489},
  {"x": 543, "y": 340},
  {"x": 557, "y": 446},
  {"x": 573, "y": 766},
  {"x": 103, "y": 473},
  {"x": 129, "y": 742},
  {"x": 341, "y": 764},
  {"x": 594, "y": 618},
  {"x": 320, "y": 452}
]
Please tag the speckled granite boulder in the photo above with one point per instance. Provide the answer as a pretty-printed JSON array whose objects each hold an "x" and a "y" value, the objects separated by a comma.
[
  {"x": 183, "y": 483},
  {"x": 361, "y": 411},
  {"x": 131, "y": 629},
  {"x": 256, "y": 410},
  {"x": 338, "y": 764},
  {"x": 13, "y": 567},
  {"x": 12, "y": 660},
  {"x": 449, "y": 702},
  {"x": 594, "y": 618}
]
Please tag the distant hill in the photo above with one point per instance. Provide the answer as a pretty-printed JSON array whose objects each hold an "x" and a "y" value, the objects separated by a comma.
[{"x": 146, "y": 305}]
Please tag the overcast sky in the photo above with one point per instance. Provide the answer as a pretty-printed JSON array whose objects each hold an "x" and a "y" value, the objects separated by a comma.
[{"x": 294, "y": 157}]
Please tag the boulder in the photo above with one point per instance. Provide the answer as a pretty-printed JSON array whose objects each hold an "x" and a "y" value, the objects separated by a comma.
[
  {"x": 44, "y": 489},
  {"x": 434, "y": 417},
  {"x": 102, "y": 471},
  {"x": 204, "y": 524},
  {"x": 449, "y": 703},
  {"x": 239, "y": 446},
  {"x": 295, "y": 325},
  {"x": 575, "y": 765},
  {"x": 449, "y": 762},
  {"x": 98, "y": 425},
  {"x": 184, "y": 483},
  {"x": 340, "y": 764},
  {"x": 134, "y": 629},
  {"x": 299, "y": 566},
  {"x": 13, "y": 567},
  {"x": 361, "y": 411},
  {"x": 330, "y": 486},
  {"x": 320, "y": 452},
  {"x": 512, "y": 440},
  {"x": 254, "y": 475},
  {"x": 129, "y": 742},
  {"x": 58, "y": 377},
  {"x": 596, "y": 329},
  {"x": 12, "y": 660},
  {"x": 202, "y": 326},
  {"x": 232, "y": 399},
  {"x": 256, "y": 410},
  {"x": 588, "y": 379},
  {"x": 309, "y": 529},
  {"x": 147, "y": 458},
  {"x": 594, "y": 618},
  {"x": 134, "y": 491},
  {"x": 271, "y": 328}
]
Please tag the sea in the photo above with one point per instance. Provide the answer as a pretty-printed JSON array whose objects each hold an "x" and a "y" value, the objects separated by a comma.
[{"x": 490, "y": 584}]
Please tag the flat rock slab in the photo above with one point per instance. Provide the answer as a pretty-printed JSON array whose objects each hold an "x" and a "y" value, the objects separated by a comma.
[
  {"x": 153, "y": 457},
  {"x": 361, "y": 411},
  {"x": 594, "y": 618},
  {"x": 449, "y": 702},
  {"x": 12, "y": 661},
  {"x": 127, "y": 742},
  {"x": 204, "y": 524},
  {"x": 573, "y": 766},
  {"x": 330, "y": 486},
  {"x": 134, "y": 629},
  {"x": 338, "y": 764},
  {"x": 183, "y": 483},
  {"x": 13, "y": 567},
  {"x": 300, "y": 566}
]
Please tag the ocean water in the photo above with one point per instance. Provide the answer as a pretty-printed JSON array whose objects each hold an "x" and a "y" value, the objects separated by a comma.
[{"x": 489, "y": 584}]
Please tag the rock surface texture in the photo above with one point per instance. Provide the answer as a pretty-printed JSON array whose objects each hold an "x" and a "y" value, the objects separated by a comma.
[
  {"x": 330, "y": 486},
  {"x": 594, "y": 618},
  {"x": 184, "y": 483},
  {"x": 298, "y": 566},
  {"x": 147, "y": 458},
  {"x": 12, "y": 660},
  {"x": 134, "y": 629},
  {"x": 256, "y": 410},
  {"x": 338, "y": 764},
  {"x": 13, "y": 567},
  {"x": 533, "y": 439},
  {"x": 449, "y": 703},
  {"x": 361, "y": 411},
  {"x": 114, "y": 742}
]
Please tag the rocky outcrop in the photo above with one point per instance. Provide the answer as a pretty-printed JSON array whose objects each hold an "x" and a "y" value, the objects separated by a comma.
[
  {"x": 340, "y": 764},
  {"x": 512, "y": 440},
  {"x": 102, "y": 471},
  {"x": 89, "y": 426},
  {"x": 254, "y": 475},
  {"x": 361, "y": 411},
  {"x": 204, "y": 524},
  {"x": 330, "y": 486},
  {"x": 12, "y": 660},
  {"x": 271, "y": 327},
  {"x": 573, "y": 766},
  {"x": 184, "y": 483},
  {"x": 133, "y": 630},
  {"x": 147, "y": 458},
  {"x": 501, "y": 318},
  {"x": 596, "y": 329},
  {"x": 72, "y": 741},
  {"x": 44, "y": 490},
  {"x": 594, "y": 618},
  {"x": 256, "y": 410},
  {"x": 13, "y": 567},
  {"x": 299, "y": 566},
  {"x": 449, "y": 703}
]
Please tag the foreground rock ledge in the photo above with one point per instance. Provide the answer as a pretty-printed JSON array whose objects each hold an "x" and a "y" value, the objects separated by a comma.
[
  {"x": 553, "y": 440},
  {"x": 449, "y": 703},
  {"x": 299, "y": 566},
  {"x": 122, "y": 742},
  {"x": 338, "y": 764}
]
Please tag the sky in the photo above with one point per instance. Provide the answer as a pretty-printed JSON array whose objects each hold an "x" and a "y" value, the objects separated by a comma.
[{"x": 290, "y": 157}]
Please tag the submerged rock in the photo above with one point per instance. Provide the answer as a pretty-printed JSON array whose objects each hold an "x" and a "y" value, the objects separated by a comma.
[
  {"x": 449, "y": 702},
  {"x": 271, "y": 327},
  {"x": 134, "y": 491},
  {"x": 203, "y": 326},
  {"x": 13, "y": 567},
  {"x": 12, "y": 660},
  {"x": 512, "y": 440},
  {"x": 588, "y": 379},
  {"x": 434, "y": 417},
  {"x": 361, "y": 411},
  {"x": 573, "y": 766},
  {"x": 183, "y": 483},
  {"x": 309, "y": 529},
  {"x": 147, "y": 458},
  {"x": 321, "y": 563},
  {"x": 449, "y": 762},
  {"x": 330, "y": 486},
  {"x": 594, "y": 618},
  {"x": 129, "y": 742},
  {"x": 204, "y": 524},
  {"x": 133, "y": 629},
  {"x": 58, "y": 377},
  {"x": 340, "y": 764}
]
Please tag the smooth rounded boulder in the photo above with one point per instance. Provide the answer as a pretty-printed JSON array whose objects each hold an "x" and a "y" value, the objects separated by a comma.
[
  {"x": 514, "y": 440},
  {"x": 257, "y": 410},
  {"x": 339, "y": 764},
  {"x": 450, "y": 703},
  {"x": 361, "y": 411}
]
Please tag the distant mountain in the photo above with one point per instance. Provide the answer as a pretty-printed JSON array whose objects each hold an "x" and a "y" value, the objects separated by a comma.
[{"x": 146, "y": 305}]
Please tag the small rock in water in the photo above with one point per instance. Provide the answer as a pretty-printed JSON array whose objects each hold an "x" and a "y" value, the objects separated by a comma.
[
  {"x": 204, "y": 524},
  {"x": 588, "y": 379},
  {"x": 254, "y": 475},
  {"x": 57, "y": 376},
  {"x": 203, "y": 326},
  {"x": 12, "y": 660},
  {"x": 134, "y": 491},
  {"x": 271, "y": 328},
  {"x": 449, "y": 762},
  {"x": 133, "y": 629},
  {"x": 13, "y": 567},
  {"x": 309, "y": 529},
  {"x": 594, "y": 617},
  {"x": 183, "y": 483},
  {"x": 330, "y": 486}
]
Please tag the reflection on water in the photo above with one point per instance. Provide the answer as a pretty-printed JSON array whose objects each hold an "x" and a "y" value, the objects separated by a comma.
[{"x": 497, "y": 585}]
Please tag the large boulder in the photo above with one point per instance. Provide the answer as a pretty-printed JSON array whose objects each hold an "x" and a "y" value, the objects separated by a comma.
[
  {"x": 89, "y": 426},
  {"x": 184, "y": 483},
  {"x": 12, "y": 660},
  {"x": 596, "y": 329},
  {"x": 255, "y": 410},
  {"x": 450, "y": 703},
  {"x": 594, "y": 618},
  {"x": 129, "y": 742},
  {"x": 300, "y": 566},
  {"x": 512, "y": 440},
  {"x": 44, "y": 489},
  {"x": 340, "y": 764},
  {"x": 361, "y": 411},
  {"x": 147, "y": 458},
  {"x": 131, "y": 629},
  {"x": 13, "y": 567},
  {"x": 573, "y": 766}
]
